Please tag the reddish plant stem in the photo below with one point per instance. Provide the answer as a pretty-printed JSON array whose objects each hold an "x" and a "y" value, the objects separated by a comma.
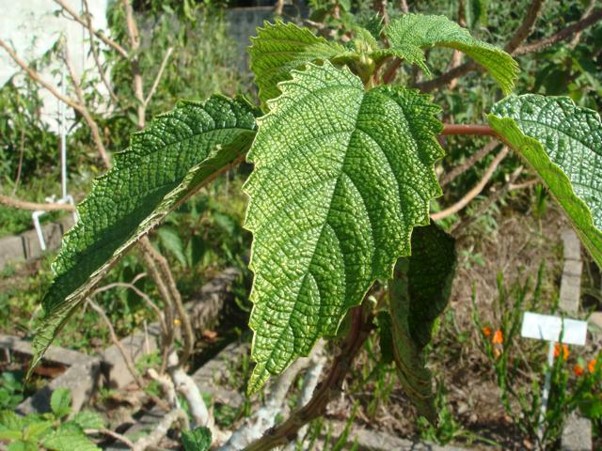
[
  {"x": 327, "y": 390},
  {"x": 469, "y": 129}
]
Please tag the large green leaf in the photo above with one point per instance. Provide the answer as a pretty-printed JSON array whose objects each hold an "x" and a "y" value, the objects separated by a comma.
[
  {"x": 175, "y": 155},
  {"x": 419, "y": 293},
  {"x": 341, "y": 178},
  {"x": 278, "y": 48},
  {"x": 412, "y": 33},
  {"x": 563, "y": 143}
]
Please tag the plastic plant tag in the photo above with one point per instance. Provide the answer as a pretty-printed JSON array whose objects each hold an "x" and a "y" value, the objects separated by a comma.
[{"x": 554, "y": 329}]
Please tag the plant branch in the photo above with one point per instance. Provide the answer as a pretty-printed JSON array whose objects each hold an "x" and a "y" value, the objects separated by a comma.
[
  {"x": 158, "y": 77},
  {"x": 469, "y": 129},
  {"x": 122, "y": 438},
  {"x": 526, "y": 27},
  {"x": 361, "y": 319},
  {"x": 450, "y": 176},
  {"x": 587, "y": 21},
  {"x": 33, "y": 206},
  {"x": 95, "y": 54},
  {"x": 37, "y": 78},
  {"x": 100, "y": 35},
  {"x": 149, "y": 441},
  {"x": 126, "y": 357},
  {"x": 475, "y": 191},
  {"x": 100, "y": 147}
]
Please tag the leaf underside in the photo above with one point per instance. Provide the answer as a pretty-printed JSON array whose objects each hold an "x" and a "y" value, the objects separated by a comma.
[
  {"x": 176, "y": 154},
  {"x": 341, "y": 177},
  {"x": 281, "y": 47},
  {"x": 419, "y": 292},
  {"x": 412, "y": 33},
  {"x": 563, "y": 144}
]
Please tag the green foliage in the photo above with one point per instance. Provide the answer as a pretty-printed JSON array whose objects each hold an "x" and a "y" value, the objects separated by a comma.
[
  {"x": 419, "y": 293},
  {"x": 50, "y": 430},
  {"x": 320, "y": 243},
  {"x": 279, "y": 48},
  {"x": 198, "y": 439},
  {"x": 412, "y": 33},
  {"x": 563, "y": 144},
  {"x": 11, "y": 390},
  {"x": 343, "y": 173},
  {"x": 175, "y": 156}
]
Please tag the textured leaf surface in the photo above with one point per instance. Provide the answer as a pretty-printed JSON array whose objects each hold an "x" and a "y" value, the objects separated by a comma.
[
  {"x": 412, "y": 33},
  {"x": 341, "y": 177},
  {"x": 563, "y": 143},
  {"x": 69, "y": 437},
  {"x": 419, "y": 293},
  {"x": 278, "y": 48},
  {"x": 175, "y": 155}
]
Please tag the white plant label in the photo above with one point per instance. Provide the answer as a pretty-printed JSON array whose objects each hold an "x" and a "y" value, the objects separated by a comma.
[{"x": 552, "y": 328}]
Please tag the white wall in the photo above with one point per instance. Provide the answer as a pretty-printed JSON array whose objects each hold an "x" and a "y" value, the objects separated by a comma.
[{"x": 32, "y": 27}]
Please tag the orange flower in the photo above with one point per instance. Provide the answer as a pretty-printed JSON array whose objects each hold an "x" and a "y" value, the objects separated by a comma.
[
  {"x": 486, "y": 331},
  {"x": 578, "y": 370},
  {"x": 561, "y": 350},
  {"x": 591, "y": 365},
  {"x": 498, "y": 337}
]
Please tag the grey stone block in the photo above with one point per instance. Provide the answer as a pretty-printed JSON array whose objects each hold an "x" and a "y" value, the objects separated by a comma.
[
  {"x": 11, "y": 250},
  {"x": 572, "y": 245},
  {"x": 81, "y": 379},
  {"x": 53, "y": 354},
  {"x": 577, "y": 434}
]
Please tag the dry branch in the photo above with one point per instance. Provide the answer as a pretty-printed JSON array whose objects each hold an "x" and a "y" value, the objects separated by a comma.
[
  {"x": 33, "y": 206},
  {"x": 475, "y": 191}
]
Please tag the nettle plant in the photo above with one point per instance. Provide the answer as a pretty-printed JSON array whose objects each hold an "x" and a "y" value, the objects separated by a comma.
[{"x": 340, "y": 191}]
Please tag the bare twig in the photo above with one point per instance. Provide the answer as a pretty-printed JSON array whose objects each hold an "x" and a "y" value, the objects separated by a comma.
[
  {"x": 126, "y": 357},
  {"x": 475, "y": 191},
  {"x": 176, "y": 415},
  {"x": 331, "y": 387},
  {"x": 167, "y": 386},
  {"x": 134, "y": 35},
  {"x": 95, "y": 54},
  {"x": 526, "y": 27},
  {"x": 380, "y": 7},
  {"x": 100, "y": 35},
  {"x": 100, "y": 147},
  {"x": 174, "y": 294},
  {"x": 140, "y": 293},
  {"x": 587, "y": 21},
  {"x": 122, "y": 438},
  {"x": 21, "y": 155},
  {"x": 37, "y": 78},
  {"x": 167, "y": 339},
  {"x": 33, "y": 206},
  {"x": 450, "y": 176},
  {"x": 158, "y": 77}
]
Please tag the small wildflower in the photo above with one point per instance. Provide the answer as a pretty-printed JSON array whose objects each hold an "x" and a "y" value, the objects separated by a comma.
[
  {"x": 561, "y": 350},
  {"x": 578, "y": 370},
  {"x": 498, "y": 337},
  {"x": 591, "y": 365},
  {"x": 177, "y": 322},
  {"x": 486, "y": 331}
]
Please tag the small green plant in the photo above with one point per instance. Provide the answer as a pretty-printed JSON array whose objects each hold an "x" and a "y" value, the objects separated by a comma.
[
  {"x": 11, "y": 389},
  {"x": 339, "y": 196},
  {"x": 56, "y": 430}
]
